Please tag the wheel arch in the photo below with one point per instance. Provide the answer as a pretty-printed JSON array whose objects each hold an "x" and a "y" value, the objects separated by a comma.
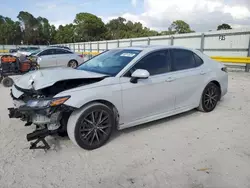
[
  {"x": 214, "y": 81},
  {"x": 73, "y": 59},
  {"x": 74, "y": 119},
  {"x": 107, "y": 103},
  {"x": 217, "y": 84}
]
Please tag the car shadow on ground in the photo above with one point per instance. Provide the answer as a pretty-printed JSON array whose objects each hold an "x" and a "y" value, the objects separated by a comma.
[
  {"x": 56, "y": 141},
  {"x": 159, "y": 122}
]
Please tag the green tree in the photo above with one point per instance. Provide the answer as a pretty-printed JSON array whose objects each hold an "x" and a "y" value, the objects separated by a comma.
[
  {"x": 179, "y": 26},
  {"x": 36, "y": 30},
  {"x": 43, "y": 30},
  {"x": 52, "y": 36},
  {"x": 224, "y": 26},
  {"x": 10, "y": 32},
  {"x": 86, "y": 27},
  {"x": 121, "y": 28},
  {"x": 167, "y": 32},
  {"x": 89, "y": 27},
  {"x": 65, "y": 34},
  {"x": 29, "y": 26},
  {"x": 117, "y": 28}
]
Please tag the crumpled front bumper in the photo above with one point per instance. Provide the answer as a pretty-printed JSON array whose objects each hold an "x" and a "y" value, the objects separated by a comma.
[
  {"x": 38, "y": 117},
  {"x": 38, "y": 135},
  {"x": 47, "y": 121}
]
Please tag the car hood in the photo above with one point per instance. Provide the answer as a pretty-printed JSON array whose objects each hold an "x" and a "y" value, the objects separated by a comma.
[{"x": 47, "y": 77}]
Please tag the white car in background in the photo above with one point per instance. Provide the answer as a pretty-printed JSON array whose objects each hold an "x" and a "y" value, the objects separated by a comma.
[
  {"x": 53, "y": 57},
  {"x": 25, "y": 51},
  {"x": 119, "y": 88}
]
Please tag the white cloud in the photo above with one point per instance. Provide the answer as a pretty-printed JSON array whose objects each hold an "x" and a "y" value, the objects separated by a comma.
[
  {"x": 238, "y": 12},
  {"x": 202, "y": 15}
]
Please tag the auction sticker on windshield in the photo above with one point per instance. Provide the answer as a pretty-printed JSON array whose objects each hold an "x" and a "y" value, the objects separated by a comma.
[{"x": 127, "y": 55}]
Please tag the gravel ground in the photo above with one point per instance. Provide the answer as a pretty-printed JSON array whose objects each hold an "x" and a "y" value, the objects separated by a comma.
[{"x": 192, "y": 150}]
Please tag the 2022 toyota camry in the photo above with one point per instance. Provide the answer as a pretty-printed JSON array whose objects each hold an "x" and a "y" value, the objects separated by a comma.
[{"x": 118, "y": 88}]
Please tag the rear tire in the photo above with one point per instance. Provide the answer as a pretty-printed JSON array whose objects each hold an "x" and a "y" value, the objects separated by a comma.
[
  {"x": 91, "y": 126},
  {"x": 7, "y": 82},
  {"x": 73, "y": 64},
  {"x": 209, "y": 98}
]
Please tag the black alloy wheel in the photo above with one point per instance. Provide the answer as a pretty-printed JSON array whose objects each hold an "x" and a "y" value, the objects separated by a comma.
[
  {"x": 210, "y": 98},
  {"x": 73, "y": 64},
  {"x": 94, "y": 127}
]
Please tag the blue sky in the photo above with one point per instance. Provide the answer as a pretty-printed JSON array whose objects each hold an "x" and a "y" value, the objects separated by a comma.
[
  {"x": 65, "y": 10},
  {"x": 202, "y": 15}
]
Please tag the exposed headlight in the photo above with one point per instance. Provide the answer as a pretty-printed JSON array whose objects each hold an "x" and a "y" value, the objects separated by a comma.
[{"x": 44, "y": 103}]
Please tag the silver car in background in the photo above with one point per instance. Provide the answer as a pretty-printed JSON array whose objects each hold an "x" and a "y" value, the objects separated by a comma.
[{"x": 53, "y": 57}]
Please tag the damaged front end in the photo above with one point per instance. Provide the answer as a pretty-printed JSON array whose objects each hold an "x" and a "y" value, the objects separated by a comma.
[
  {"x": 49, "y": 114},
  {"x": 35, "y": 102}
]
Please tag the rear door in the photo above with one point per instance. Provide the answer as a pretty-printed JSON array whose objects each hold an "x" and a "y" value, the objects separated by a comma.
[
  {"x": 188, "y": 75},
  {"x": 63, "y": 57},
  {"x": 48, "y": 58}
]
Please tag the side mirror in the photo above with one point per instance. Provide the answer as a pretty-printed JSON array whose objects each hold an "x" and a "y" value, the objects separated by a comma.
[{"x": 139, "y": 74}]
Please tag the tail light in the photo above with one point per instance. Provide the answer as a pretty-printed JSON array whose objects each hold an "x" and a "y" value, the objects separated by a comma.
[
  {"x": 224, "y": 69},
  {"x": 80, "y": 56}
]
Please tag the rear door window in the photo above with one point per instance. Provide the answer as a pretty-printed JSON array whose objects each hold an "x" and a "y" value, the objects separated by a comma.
[
  {"x": 182, "y": 59},
  {"x": 62, "y": 51},
  {"x": 48, "y": 52}
]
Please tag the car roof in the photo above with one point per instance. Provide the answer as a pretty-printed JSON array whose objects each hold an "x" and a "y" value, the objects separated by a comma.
[
  {"x": 147, "y": 48},
  {"x": 48, "y": 48}
]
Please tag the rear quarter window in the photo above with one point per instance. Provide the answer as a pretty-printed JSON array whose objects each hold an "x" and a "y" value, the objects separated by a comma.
[{"x": 198, "y": 60}]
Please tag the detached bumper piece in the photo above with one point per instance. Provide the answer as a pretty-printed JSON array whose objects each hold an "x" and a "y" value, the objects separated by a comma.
[
  {"x": 48, "y": 122},
  {"x": 39, "y": 136},
  {"x": 14, "y": 113}
]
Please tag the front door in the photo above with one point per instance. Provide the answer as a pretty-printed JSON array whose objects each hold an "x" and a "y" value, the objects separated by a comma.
[{"x": 151, "y": 96}]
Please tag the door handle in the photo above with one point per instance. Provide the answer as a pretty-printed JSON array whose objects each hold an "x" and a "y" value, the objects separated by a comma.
[
  {"x": 170, "y": 79},
  {"x": 202, "y": 72}
]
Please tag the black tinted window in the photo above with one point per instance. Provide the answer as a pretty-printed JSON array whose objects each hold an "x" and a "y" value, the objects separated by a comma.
[
  {"x": 183, "y": 59},
  {"x": 198, "y": 60},
  {"x": 47, "y": 52},
  {"x": 62, "y": 51},
  {"x": 155, "y": 63}
]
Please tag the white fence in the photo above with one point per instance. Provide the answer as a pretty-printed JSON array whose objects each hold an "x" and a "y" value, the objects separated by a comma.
[
  {"x": 6, "y": 48},
  {"x": 218, "y": 43}
]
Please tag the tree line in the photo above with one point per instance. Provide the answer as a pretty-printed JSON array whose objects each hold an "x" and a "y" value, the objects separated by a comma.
[{"x": 85, "y": 27}]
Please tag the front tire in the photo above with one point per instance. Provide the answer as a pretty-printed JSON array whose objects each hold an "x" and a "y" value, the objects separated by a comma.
[
  {"x": 7, "y": 81},
  {"x": 92, "y": 126},
  {"x": 209, "y": 98}
]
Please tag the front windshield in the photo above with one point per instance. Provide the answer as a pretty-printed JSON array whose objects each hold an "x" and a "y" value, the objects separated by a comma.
[
  {"x": 35, "y": 52},
  {"x": 110, "y": 62}
]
